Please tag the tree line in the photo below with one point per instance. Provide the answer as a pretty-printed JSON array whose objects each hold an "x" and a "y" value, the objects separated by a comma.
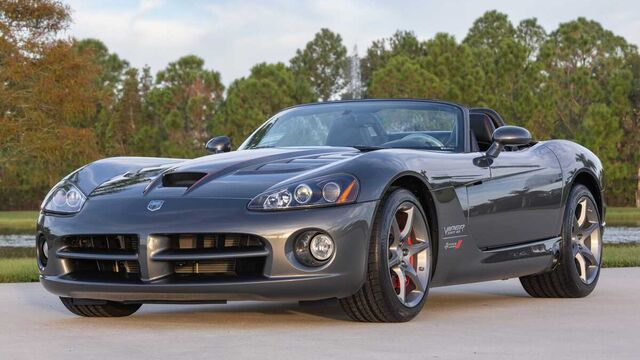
[{"x": 65, "y": 102}]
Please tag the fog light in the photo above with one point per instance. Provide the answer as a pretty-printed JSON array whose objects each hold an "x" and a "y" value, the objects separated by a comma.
[
  {"x": 321, "y": 247},
  {"x": 42, "y": 251},
  {"x": 45, "y": 249},
  {"x": 313, "y": 248}
]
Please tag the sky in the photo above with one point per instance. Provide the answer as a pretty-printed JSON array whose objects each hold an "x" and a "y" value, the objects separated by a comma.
[{"x": 232, "y": 36}]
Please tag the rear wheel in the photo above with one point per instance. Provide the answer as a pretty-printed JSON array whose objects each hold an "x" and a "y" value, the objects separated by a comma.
[
  {"x": 577, "y": 272},
  {"x": 399, "y": 267},
  {"x": 109, "y": 309}
]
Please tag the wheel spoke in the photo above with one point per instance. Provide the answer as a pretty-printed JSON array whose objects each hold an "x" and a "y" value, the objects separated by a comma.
[
  {"x": 410, "y": 272},
  {"x": 582, "y": 266},
  {"x": 583, "y": 212},
  {"x": 395, "y": 232},
  {"x": 418, "y": 247},
  {"x": 587, "y": 231},
  {"x": 408, "y": 225},
  {"x": 587, "y": 255},
  {"x": 402, "y": 283},
  {"x": 394, "y": 260}
]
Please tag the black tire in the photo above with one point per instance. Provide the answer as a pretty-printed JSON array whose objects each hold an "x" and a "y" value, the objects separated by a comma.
[
  {"x": 563, "y": 281},
  {"x": 377, "y": 301},
  {"x": 110, "y": 309}
]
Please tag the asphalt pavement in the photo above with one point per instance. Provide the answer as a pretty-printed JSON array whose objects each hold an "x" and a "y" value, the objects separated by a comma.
[{"x": 493, "y": 320}]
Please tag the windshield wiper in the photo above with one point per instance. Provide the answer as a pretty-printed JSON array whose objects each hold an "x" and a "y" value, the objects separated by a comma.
[{"x": 365, "y": 148}]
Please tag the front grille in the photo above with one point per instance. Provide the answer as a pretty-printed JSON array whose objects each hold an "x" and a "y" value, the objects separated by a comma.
[
  {"x": 100, "y": 256},
  {"x": 221, "y": 268},
  {"x": 205, "y": 267},
  {"x": 102, "y": 242},
  {"x": 214, "y": 255},
  {"x": 214, "y": 241},
  {"x": 123, "y": 267},
  {"x": 211, "y": 256}
]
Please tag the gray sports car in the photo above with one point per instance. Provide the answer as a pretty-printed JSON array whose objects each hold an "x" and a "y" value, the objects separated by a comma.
[{"x": 371, "y": 202}]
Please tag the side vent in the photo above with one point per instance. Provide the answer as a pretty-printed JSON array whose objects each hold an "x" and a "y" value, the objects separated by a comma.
[{"x": 181, "y": 179}]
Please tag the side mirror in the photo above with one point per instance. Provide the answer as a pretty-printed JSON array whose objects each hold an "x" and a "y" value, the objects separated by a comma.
[
  {"x": 219, "y": 144},
  {"x": 508, "y": 135}
]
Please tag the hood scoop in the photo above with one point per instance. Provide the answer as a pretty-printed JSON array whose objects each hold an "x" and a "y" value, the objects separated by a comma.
[{"x": 181, "y": 179}]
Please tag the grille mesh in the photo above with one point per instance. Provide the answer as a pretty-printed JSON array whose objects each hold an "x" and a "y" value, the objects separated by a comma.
[
  {"x": 211, "y": 243},
  {"x": 102, "y": 242},
  {"x": 222, "y": 267},
  {"x": 196, "y": 244},
  {"x": 214, "y": 241},
  {"x": 102, "y": 245}
]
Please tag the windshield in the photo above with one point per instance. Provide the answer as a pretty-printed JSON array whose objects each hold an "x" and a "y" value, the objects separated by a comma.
[{"x": 385, "y": 124}]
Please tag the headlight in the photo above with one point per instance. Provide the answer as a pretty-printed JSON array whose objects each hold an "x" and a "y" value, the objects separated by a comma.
[
  {"x": 323, "y": 191},
  {"x": 64, "y": 199}
]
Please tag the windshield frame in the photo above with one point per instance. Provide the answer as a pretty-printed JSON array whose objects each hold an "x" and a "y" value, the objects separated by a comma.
[{"x": 463, "y": 145}]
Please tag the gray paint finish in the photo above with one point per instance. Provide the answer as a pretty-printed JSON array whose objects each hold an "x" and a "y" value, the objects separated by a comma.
[{"x": 494, "y": 217}]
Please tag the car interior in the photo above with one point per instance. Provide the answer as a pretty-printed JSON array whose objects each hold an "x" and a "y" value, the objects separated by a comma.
[
  {"x": 483, "y": 122},
  {"x": 365, "y": 129},
  {"x": 482, "y": 127}
]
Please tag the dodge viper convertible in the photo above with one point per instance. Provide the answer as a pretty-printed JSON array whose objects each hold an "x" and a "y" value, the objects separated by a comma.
[{"x": 369, "y": 202}]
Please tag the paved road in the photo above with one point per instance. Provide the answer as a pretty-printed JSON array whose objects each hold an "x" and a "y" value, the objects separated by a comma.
[{"x": 487, "y": 320}]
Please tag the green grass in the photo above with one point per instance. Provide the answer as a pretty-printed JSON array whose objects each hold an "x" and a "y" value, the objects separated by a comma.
[
  {"x": 626, "y": 216},
  {"x": 621, "y": 255},
  {"x": 18, "y": 270},
  {"x": 19, "y": 264},
  {"x": 17, "y": 253},
  {"x": 18, "y": 222}
]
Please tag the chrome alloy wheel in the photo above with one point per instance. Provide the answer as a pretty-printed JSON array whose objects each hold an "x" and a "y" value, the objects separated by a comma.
[
  {"x": 409, "y": 255},
  {"x": 586, "y": 240}
]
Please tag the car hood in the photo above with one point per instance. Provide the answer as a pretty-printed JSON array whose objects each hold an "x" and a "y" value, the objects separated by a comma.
[{"x": 239, "y": 174}]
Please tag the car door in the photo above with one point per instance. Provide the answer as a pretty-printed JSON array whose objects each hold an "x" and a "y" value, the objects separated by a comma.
[{"x": 520, "y": 201}]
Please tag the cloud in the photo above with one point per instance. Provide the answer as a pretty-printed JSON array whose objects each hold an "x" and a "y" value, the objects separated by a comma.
[
  {"x": 232, "y": 36},
  {"x": 134, "y": 34},
  {"x": 147, "y": 5}
]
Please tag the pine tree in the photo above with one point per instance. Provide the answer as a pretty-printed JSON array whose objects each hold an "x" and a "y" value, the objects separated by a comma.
[{"x": 323, "y": 63}]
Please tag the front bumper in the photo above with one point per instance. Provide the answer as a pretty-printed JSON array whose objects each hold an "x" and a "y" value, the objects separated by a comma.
[{"x": 283, "y": 277}]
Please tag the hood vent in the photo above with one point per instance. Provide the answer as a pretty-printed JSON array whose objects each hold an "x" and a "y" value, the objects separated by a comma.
[{"x": 181, "y": 179}]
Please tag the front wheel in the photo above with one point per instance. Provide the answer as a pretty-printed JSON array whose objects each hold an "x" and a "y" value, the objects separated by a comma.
[
  {"x": 399, "y": 266},
  {"x": 578, "y": 268}
]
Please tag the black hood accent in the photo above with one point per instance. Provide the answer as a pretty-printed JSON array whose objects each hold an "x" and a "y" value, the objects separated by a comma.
[{"x": 181, "y": 179}]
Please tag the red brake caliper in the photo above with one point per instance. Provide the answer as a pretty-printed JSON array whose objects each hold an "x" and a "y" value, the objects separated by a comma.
[{"x": 396, "y": 280}]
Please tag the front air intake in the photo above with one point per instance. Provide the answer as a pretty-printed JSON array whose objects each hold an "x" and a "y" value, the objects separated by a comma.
[
  {"x": 213, "y": 255},
  {"x": 181, "y": 179},
  {"x": 97, "y": 257}
]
